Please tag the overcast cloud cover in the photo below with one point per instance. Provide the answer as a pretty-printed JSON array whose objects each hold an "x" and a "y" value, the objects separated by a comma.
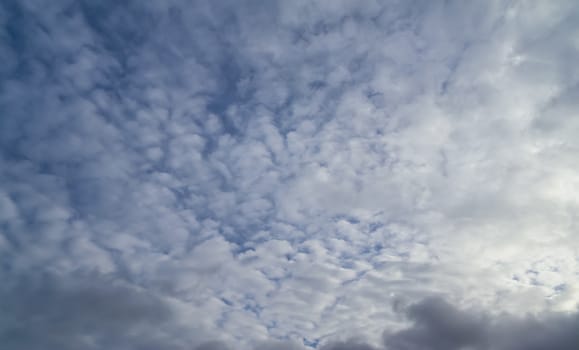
[{"x": 340, "y": 175}]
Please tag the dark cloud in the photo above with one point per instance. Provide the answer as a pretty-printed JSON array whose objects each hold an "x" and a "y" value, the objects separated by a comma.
[
  {"x": 349, "y": 345},
  {"x": 554, "y": 331},
  {"x": 278, "y": 345},
  {"x": 94, "y": 312},
  {"x": 438, "y": 325},
  {"x": 212, "y": 345},
  {"x": 47, "y": 311}
]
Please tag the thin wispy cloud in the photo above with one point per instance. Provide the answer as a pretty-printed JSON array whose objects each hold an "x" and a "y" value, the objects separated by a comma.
[{"x": 338, "y": 175}]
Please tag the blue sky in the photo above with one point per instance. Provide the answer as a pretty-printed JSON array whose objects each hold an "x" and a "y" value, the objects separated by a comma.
[{"x": 340, "y": 175}]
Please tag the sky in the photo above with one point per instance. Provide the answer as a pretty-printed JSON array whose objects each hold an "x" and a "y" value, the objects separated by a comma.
[{"x": 289, "y": 175}]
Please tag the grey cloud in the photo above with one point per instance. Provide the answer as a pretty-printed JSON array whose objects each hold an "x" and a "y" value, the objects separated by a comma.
[
  {"x": 436, "y": 324},
  {"x": 212, "y": 345},
  {"x": 279, "y": 345},
  {"x": 552, "y": 331},
  {"x": 349, "y": 345},
  {"x": 47, "y": 311},
  {"x": 95, "y": 312}
]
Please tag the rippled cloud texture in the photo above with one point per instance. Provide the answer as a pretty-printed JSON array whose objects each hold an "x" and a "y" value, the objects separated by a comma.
[{"x": 339, "y": 175}]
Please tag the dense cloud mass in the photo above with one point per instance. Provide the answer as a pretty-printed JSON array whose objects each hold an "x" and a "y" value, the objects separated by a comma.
[
  {"x": 437, "y": 325},
  {"x": 339, "y": 175}
]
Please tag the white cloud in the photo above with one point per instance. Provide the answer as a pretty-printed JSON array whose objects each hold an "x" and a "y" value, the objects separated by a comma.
[{"x": 290, "y": 172}]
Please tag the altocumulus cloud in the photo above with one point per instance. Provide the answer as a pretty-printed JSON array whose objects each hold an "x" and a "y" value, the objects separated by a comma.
[{"x": 337, "y": 175}]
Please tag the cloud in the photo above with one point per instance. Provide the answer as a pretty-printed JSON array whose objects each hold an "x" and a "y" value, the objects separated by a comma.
[
  {"x": 439, "y": 325},
  {"x": 349, "y": 345},
  {"x": 436, "y": 324},
  {"x": 83, "y": 312},
  {"x": 264, "y": 172},
  {"x": 92, "y": 312}
]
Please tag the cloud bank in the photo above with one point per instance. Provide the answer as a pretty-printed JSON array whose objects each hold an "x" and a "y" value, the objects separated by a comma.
[{"x": 273, "y": 174}]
